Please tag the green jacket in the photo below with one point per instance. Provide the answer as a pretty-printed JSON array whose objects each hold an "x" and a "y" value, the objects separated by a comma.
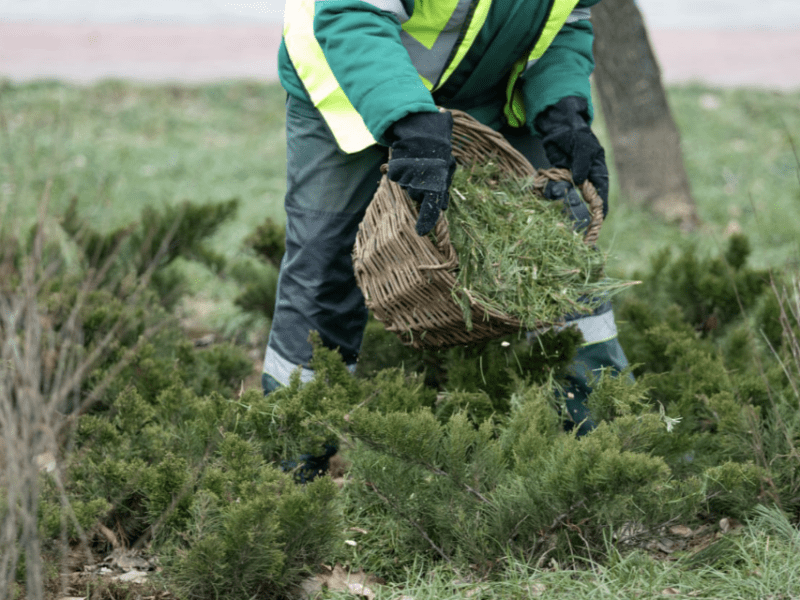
[{"x": 362, "y": 46}]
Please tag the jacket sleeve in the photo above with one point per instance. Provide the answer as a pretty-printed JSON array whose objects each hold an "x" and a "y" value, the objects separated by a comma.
[
  {"x": 362, "y": 46},
  {"x": 563, "y": 70}
]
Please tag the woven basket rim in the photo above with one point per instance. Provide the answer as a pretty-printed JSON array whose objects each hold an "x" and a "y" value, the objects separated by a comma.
[{"x": 408, "y": 280}]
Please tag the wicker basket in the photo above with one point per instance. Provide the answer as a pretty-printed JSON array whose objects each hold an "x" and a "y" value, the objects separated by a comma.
[{"x": 407, "y": 280}]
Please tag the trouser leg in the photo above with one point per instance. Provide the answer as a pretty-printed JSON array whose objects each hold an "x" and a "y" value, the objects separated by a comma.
[
  {"x": 601, "y": 348},
  {"x": 326, "y": 197},
  {"x": 600, "y": 351}
]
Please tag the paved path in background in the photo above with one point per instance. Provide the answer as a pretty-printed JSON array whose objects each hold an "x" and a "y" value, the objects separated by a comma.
[{"x": 85, "y": 53}]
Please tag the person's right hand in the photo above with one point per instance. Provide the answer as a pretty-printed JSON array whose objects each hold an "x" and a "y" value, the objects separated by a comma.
[
  {"x": 573, "y": 205},
  {"x": 422, "y": 162}
]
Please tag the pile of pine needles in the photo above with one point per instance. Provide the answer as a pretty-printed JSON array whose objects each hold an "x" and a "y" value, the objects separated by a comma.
[{"x": 518, "y": 252}]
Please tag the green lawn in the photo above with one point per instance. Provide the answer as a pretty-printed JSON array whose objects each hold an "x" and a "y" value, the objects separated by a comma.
[
  {"x": 743, "y": 171},
  {"x": 118, "y": 146}
]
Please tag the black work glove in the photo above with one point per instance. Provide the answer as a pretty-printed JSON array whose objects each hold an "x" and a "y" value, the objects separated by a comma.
[
  {"x": 570, "y": 144},
  {"x": 574, "y": 208},
  {"x": 422, "y": 162}
]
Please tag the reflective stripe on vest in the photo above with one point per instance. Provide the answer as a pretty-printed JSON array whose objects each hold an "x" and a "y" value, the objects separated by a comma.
[
  {"x": 561, "y": 12},
  {"x": 430, "y": 36},
  {"x": 309, "y": 61}
]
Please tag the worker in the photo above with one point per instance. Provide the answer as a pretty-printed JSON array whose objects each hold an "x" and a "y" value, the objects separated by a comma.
[{"x": 366, "y": 76}]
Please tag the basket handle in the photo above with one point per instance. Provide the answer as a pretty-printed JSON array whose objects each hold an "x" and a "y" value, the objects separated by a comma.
[
  {"x": 588, "y": 192},
  {"x": 441, "y": 231}
]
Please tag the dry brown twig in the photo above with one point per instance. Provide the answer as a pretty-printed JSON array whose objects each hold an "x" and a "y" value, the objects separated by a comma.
[{"x": 42, "y": 372}]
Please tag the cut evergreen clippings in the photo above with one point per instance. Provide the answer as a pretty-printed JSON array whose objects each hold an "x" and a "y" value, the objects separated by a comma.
[{"x": 518, "y": 252}]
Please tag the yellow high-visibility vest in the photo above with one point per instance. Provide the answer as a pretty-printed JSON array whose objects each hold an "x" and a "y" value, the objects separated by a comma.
[
  {"x": 429, "y": 35},
  {"x": 561, "y": 12}
]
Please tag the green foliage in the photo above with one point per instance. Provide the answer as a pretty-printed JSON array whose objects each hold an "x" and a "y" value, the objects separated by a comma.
[
  {"x": 158, "y": 239},
  {"x": 268, "y": 241},
  {"x": 86, "y": 513},
  {"x": 259, "y": 285},
  {"x": 516, "y": 252},
  {"x": 158, "y": 447},
  {"x": 498, "y": 366},
  {"x": 711, "y": 293},
  {"x": 491, "y": 371},
  {"x": 259, "y": 279},
  {"x": 304, "y": 417},
  {"x": 252, "y": 532},
  {"x": 733, "y": 488},
  {"x": 474, "y": 492},
  {"x": 191, "y": 470}
]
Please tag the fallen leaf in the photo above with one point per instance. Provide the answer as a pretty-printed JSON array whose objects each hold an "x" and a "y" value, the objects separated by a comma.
[
  {"x": 474, "y": 591},
  {"x": 132, "y": 577},
  {"x": 536, "y": 589},
  {"x": 341, "y": 580},
  {"x": 630, "y": 530},
  {"x": 357, "y": 529},
  {"x": 665, "y": 545},
  {"x": 681, "y": 530},
  {"x": 46, "y": 462},
  {"x": 726, "y": 524},
  {"x": 311, "y": 587},
  {"x": 670, "y": 591},
  {"x": 360, "y": 590}
]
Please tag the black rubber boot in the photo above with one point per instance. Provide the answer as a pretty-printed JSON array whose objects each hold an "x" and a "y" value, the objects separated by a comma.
[
  {"x": 306, "y": 467},
  {"x": 269, "y": 383},
  {"x": 588, "y": 363}
]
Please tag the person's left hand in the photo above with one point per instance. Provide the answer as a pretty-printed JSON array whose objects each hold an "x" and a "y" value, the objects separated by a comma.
[{"x": 570, "y": 144}]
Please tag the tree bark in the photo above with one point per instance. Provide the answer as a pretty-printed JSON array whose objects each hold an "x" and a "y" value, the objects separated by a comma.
[{"x": 644, "y": 138}]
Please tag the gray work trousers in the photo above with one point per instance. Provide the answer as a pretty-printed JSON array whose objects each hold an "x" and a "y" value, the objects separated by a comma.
[{"x": 326, "y": 197}]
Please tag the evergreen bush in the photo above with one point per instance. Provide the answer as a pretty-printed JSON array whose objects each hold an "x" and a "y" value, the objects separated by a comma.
[
  {"x": 157, "y": 442},
  {"x": 259, "y": 278},
  {"x": 484, "y": 469},
  {"x": 457, "y": 456}
]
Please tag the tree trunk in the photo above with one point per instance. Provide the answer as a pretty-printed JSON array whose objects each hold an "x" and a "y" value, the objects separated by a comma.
[{"x": 643, "y": 135}]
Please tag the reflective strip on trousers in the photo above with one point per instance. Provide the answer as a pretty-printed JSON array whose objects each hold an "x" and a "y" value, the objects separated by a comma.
[
  {"x": 596, "y": 328},
  {"x": 281, "y": 369}
]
